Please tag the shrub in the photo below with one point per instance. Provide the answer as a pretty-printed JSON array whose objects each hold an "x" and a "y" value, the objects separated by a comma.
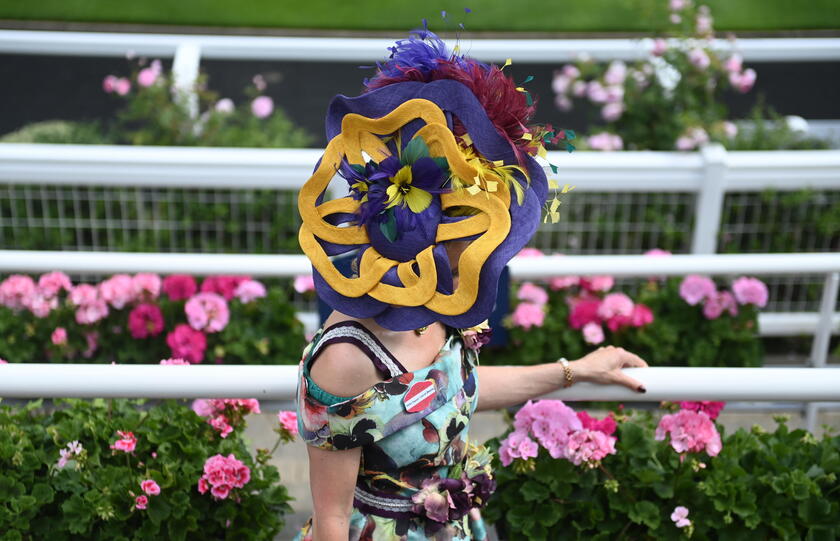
[
  {"x": 760, "y": 485},
  {"x": 125, "y": 469}
]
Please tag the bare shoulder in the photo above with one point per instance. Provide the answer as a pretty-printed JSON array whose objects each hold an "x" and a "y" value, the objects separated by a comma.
[{"x": 343, "y": 369}]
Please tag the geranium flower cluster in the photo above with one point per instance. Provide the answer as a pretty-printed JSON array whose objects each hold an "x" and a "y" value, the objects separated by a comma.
[
  {"x": 18, "y": 292},
  {"x": 710, "y": 408},
  {"x": 73, "y": 451},
  {"x": 127, "y": 442},
  {"x": 222, "y": 475},
  {"x": 690, "y": 432},
  {"x": 225, "y": 414},
  {"x": 530, "y": 312},
  {"x": 288, "y": 424},
  {"x": 696, "y": 289},
  {"x": 150, "y": 488},
  {"x": 577, "y": 438}
]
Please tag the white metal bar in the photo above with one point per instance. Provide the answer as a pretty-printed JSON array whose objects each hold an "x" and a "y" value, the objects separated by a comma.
[
  {"x": 185, "y": 73},
  {"x": 182, "y": 167},
  {"x": 278, "y": 383},
  {"x": 709, "y": 203},
  {"x": 793, "y": 323},
  {"x": 521, "y": 268},
  {"x": 107, "y": 165},
  {"x": 822, "y": 336},
  {"x": 370, "y": 49}
]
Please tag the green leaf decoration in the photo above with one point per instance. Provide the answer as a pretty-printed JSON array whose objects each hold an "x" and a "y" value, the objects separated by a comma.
[
  {"x": 414, "y": 150},
  {"x": 358, "y": 168},
  {"x": 570, "y": 134},
  {"x": 389, "y": 226},
  {"x": 442, "y": 163}
]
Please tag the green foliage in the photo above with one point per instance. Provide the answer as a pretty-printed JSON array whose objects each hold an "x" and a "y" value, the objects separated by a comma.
[
  {"x": 92, "y": 497},
  {"x": 264, "y": 331},
  {"x": 58, "y": 132},
  {"x": 763, "y": 485},
  {"x": 768, "y": 130},
  {"x": 678, "y": 336}
]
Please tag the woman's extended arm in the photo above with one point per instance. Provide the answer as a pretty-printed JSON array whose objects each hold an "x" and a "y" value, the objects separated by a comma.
[
  {"x": 332, "y": 478},
  {"x": 505, "y": 386}
]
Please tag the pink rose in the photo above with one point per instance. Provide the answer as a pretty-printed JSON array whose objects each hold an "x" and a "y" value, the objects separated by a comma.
[
  {"x": 262, "y": 106},
  {"x": 126, "y": 443},
  {"x": 122, "y": 86},
  {"x": 145, "y": 320},
  {"x": 529, "y": 292},
  {"x": 743, "y": 82},
  {"x": 527, "y": 315},
  {"x": 150, "y": 487},
  {"x": 249, "y": 290},
  {"x": 147, "y": 77},
  {"x": 140, "y": 502},
  {"x": 694, "y": 288},
  {"x": 179, "y": 287},
  {"x": 750, "y": 291},
  {"x": 59, "y": 336},
  {"x": 187, "y": 343},
  {"x": 288, "y": 420},
  {"x": 208, "y": 312}
]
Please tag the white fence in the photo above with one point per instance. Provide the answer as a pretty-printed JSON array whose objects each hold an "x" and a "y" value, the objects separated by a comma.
[{"x": 709, "y": 174}]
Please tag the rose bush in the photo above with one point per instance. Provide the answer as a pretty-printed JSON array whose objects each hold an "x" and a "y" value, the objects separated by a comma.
[
  {"x": 630, "y": 476},
  {"x": 125, "y": 469},
  {"x": 129, "y": 319},
  {"x": 686, "y": 321}
]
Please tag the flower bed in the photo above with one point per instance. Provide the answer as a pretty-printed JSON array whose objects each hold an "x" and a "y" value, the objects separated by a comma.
[
  {"x": 120, "y": 470},
  {"x": 563, "y": 475},
  {"x": 129, "y": 319},
  {"x": 673, "y": 322}
]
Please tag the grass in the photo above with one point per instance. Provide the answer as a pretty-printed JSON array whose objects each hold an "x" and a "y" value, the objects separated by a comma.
[{"x": 399, "y": 15}]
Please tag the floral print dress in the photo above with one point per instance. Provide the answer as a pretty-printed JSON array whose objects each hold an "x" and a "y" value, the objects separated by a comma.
[{"x": 419, "y": 477}]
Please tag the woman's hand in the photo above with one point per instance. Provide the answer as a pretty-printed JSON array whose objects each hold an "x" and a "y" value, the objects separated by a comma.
[{"x": 604, "y": 366}]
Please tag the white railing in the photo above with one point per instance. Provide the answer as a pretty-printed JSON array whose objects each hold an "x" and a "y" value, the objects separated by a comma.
[
  {"x": 372, "y": 49},
  {"x": 279, "y": 383},
  {"x": 288, "y": 265},
  {"x": 710, "y": 173}
]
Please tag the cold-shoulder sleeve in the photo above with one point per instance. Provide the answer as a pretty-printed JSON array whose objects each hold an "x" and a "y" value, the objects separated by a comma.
[{"x": 383, "y": 409}]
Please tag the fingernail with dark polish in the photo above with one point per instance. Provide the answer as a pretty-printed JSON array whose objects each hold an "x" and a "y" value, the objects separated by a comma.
[{"x": 641, "y": 389}]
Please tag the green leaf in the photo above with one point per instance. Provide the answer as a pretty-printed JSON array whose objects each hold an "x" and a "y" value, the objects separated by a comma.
[
  {"x": 646, "y": 513},
  {"x": 533, "y": 491},
  {"x": 43, "y": 493},
  {"x": 389, "y": 226}
]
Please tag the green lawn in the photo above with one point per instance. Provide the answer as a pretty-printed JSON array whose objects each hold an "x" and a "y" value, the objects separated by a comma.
[{"x": 487, "y": 15}]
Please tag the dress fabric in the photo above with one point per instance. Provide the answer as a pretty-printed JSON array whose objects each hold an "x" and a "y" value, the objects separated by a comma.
[{"x": 401, "y": 446}]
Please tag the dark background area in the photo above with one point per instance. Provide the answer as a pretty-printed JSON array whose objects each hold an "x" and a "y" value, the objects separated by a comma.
[{"x": 39, "y": 88}]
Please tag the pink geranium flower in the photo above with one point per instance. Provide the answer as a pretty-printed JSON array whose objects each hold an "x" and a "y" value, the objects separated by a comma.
[
  {"x": 288, "y": 420},
  {"x": 615, "y": 304},
  {"x": 223, "y": 285},
  {"x": 262, "y": 106},
  {"x": 16, "y": 290},
  {"x": 597, "y": 283},
  {"x": 563, "y": 282},
  {"x": 694, "y": 288},
  {"x": 150, "y": 487},
  {"x": 690, "y": 431},
  {"x": 179, "y": 287},
  {"x": 593, "y": 333},
  {"x": 118, "y": 290},
  {"x": 84, "y": 294},
  {"x": 607, "y": 425},
  {"x": 710, "y": 408},
  {"x": 207, "y": 312},
  {"x": 147, "y": 77},
  {"x": 527, "y": 315},
  {"x": 146, "y": 285},
  {"x": 122, "y": 86},
  {"x": 584, "y": 311},
  {"x": 52, "y": 283},
  {"x": 589, "y": 447},
  {"x": 249, "y": 290},
  {"x": 642, "y": 315},
  {"x": 126, "y": 443},
  {"x": 145, "y": 320},
  {"x": 679, "y": 516},
  {"x": 222, "y": 475},
  {"x": 88, "y": 314},
  {"x": 530, "y": 252},
  {"x": 187, "y": 343},
  {"x": 59, "y": 336},
  {"x": 532, "y": 293},
  {"x": 750, "y": 291},
  {"x": 140, "y": 502},
  {"x": 174, "y": 362},
  {"x": 304, "y": 283}
]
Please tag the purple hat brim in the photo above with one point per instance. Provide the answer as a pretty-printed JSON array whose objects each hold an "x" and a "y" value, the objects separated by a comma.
[{"x": 455, "y": 98}]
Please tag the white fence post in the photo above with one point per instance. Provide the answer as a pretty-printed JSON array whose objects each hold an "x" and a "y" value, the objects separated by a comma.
[
  {"x": 185, "y": 73},
  {"x": 822, "y": 337},
  {"x": 709, "y": 205}
]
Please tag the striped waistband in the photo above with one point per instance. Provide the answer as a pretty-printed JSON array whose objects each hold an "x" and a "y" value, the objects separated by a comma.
[{"x": 383, "y": 505}]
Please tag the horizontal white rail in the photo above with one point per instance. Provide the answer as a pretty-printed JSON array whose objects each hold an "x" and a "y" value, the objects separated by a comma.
[
  {"x": 279, "y": 383},
  {"x": 36, "y": 261},
  {"x": 196, "y": 167},
  {"x": 372, "y": 49}
]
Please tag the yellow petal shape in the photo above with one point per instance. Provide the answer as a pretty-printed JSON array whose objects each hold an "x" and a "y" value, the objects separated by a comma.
[{"x": 418, "y": 200}]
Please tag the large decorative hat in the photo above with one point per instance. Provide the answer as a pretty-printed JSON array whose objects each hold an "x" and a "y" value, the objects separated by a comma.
[{"x": 437, "y": 149}]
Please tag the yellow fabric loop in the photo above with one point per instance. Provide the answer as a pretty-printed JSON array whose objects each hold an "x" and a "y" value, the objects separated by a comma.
[{"x": 416, "y": 294}]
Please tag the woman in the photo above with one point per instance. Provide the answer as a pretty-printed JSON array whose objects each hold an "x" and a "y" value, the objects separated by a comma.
[{"x": 444, "y": 191}]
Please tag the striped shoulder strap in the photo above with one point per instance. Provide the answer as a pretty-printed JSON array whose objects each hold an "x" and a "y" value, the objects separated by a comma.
[{"x": 352, "y": 332}]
